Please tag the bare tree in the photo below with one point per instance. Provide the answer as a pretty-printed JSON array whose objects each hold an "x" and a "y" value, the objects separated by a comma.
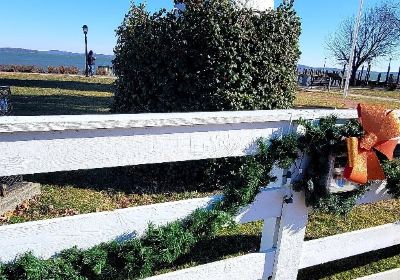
[{"x": 379, "y": 36}]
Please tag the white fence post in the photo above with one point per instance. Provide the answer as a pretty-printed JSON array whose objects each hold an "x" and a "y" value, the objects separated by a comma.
[{"x": 290, "y": 239}]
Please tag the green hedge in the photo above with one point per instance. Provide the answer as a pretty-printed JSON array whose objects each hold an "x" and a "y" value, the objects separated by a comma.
[{"x": 215, "y": 56}]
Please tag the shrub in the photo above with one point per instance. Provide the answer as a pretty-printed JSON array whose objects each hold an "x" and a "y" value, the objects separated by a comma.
[
  {"x": 215, "y": 56},
  {"x": 101, "y": 72},
  {"x": 21, "y": 68},
  {"x": 72, "y": 70}
]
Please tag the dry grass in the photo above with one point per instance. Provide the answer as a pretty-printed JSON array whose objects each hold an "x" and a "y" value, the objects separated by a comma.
[{"x": 324, "y": 99}]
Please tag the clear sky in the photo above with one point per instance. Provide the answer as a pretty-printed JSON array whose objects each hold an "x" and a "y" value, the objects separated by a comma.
[{"x": 57, "y": 24}]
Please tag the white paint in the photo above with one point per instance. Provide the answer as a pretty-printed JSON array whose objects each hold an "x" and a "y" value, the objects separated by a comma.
[
  {"x": 249, "y": 267},
  {"x": 90, "y": 122},
  {"x": 349, "y": 244},
  {"x": 269, "y": 234},
  {"x": 48, "y": 237},
  {"x": 267, "y": 204},
  {"x": 88, "y": 230},
  {"x": 387, "y": 275},
  {"x": 58, "y": 143},
  {"x": 291, "y": 233},
  {"x": 41, "y": 152},
  {"x": 376, "y": 192},
  {"x": 258, "y": 5}
]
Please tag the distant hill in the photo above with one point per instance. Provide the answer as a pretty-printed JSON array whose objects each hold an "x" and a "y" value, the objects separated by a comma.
[{"x": 43, "y": 59}]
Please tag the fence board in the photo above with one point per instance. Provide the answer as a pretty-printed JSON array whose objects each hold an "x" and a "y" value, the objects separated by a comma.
[
  {"x": 377, "y": 192},
  {"x": 88, "y": 230},
  {"x": 48, "y": 237},
  {"x": 349, "y": 244},
  {"x": 249, "y": 267},
  {"x": 40, "y": 152},
  {"x": 290, "y": 238},
  {"x": 90, "y": 122}
]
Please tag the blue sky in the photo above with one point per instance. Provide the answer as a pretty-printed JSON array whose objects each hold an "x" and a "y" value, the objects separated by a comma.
[{"x": 56, "y": 24}]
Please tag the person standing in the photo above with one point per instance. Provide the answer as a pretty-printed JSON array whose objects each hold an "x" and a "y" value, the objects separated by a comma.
[{"x": 91, "y": 59}]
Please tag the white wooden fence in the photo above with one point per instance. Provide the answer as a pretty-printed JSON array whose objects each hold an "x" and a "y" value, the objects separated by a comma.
[{"x": 31, "y": 145}]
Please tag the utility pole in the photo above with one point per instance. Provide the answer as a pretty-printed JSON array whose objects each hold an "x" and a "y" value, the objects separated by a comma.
[{"x": 353, "y": 49}]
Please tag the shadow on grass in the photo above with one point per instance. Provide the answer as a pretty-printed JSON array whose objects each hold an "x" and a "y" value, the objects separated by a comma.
[
  {"x": 69, "y": 85},
  {"x": 335, "y": 267},
  {"x": 218, "y": 248},
  {"x": 115, "y": 178},
  {"x": 127, "y": 179},
  {"x": 160, "y": 178},
  {"x": 31, "y": 105}
]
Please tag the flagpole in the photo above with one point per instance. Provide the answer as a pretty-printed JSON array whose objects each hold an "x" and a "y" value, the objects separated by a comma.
[{"x": 353, "y": 47}]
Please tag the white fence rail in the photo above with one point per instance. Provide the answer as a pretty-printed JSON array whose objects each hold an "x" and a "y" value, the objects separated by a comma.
[{"x": 59, "y": 143}]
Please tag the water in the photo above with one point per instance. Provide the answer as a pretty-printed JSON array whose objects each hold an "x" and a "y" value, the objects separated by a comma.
[{"x": 44, "y": 59}]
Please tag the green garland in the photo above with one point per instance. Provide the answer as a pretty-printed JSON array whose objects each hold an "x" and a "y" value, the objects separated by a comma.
[
  {"x": 161, "y": 247},
  {"x": 326, "y": 138},
  {"x": 321, "y": 140}
]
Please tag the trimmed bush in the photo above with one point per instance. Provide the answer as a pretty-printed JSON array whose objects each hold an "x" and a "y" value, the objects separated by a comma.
[
  {"x": 214, "y": 56},
  {"x": 72, "y": 70},
  {"x": 21, "y": 69},
  {"x": 101, "y": 72}
]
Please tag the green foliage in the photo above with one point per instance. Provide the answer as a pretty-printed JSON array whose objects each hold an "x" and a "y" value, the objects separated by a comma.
[
  {"x": 321, "y": 140},
  {"x": 341, "y": 203},
  {"x": 392, "y": 172},
  {"x": 3, "y": 275},
  {"x": 205, "y": 223},
  {"x": 59, "y": 269},
  {"x": 168, "y": 242},
  {"x": 28, "y": 267},
  {"x": 284, "y": 150},
  {"x": 215, "y": 56},
  {"x": 129, "y": 260}
]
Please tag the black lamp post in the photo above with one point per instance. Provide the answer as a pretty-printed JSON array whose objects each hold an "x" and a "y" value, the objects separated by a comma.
[
  {"x": 388, "y": 71},
  {"x": 85, "y": 31}
]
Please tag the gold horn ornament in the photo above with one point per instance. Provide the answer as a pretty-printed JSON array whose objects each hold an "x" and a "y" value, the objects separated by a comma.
[{"x": 381, "y": 126}]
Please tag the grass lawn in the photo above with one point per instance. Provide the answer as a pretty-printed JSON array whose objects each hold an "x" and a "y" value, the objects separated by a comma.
[
  {"x": 38, "y": 94},
  {"x": 44, "y": 94},
  {"x": 334, "y": 99}
]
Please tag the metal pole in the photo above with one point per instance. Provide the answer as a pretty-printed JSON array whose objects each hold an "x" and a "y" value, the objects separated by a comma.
[
  {"x": 398, "y": 77},
  {"x": 388, "y": 71},
  {"x": 86, "y": 58},
  {"x": 353, "y": 48},
  {"x": 368, "y": 73}
]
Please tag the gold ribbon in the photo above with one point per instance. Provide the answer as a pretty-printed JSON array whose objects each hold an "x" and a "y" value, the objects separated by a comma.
[{"x": 380, "y": 127}]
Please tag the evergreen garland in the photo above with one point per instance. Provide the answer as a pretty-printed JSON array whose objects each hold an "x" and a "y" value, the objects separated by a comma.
[
  {"x": 160, "y": 247},
  {"x": 392, "y": 172},
  {"x": 321, "y": 140}
]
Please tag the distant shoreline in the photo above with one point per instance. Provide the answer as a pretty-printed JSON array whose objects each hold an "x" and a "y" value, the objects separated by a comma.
[{"x": 16, "y": 56}]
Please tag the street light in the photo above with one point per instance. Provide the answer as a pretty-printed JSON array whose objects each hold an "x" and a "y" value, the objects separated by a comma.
[
  {"x": 388, "y": 71},
  {"x": 85, "y": 31}
]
